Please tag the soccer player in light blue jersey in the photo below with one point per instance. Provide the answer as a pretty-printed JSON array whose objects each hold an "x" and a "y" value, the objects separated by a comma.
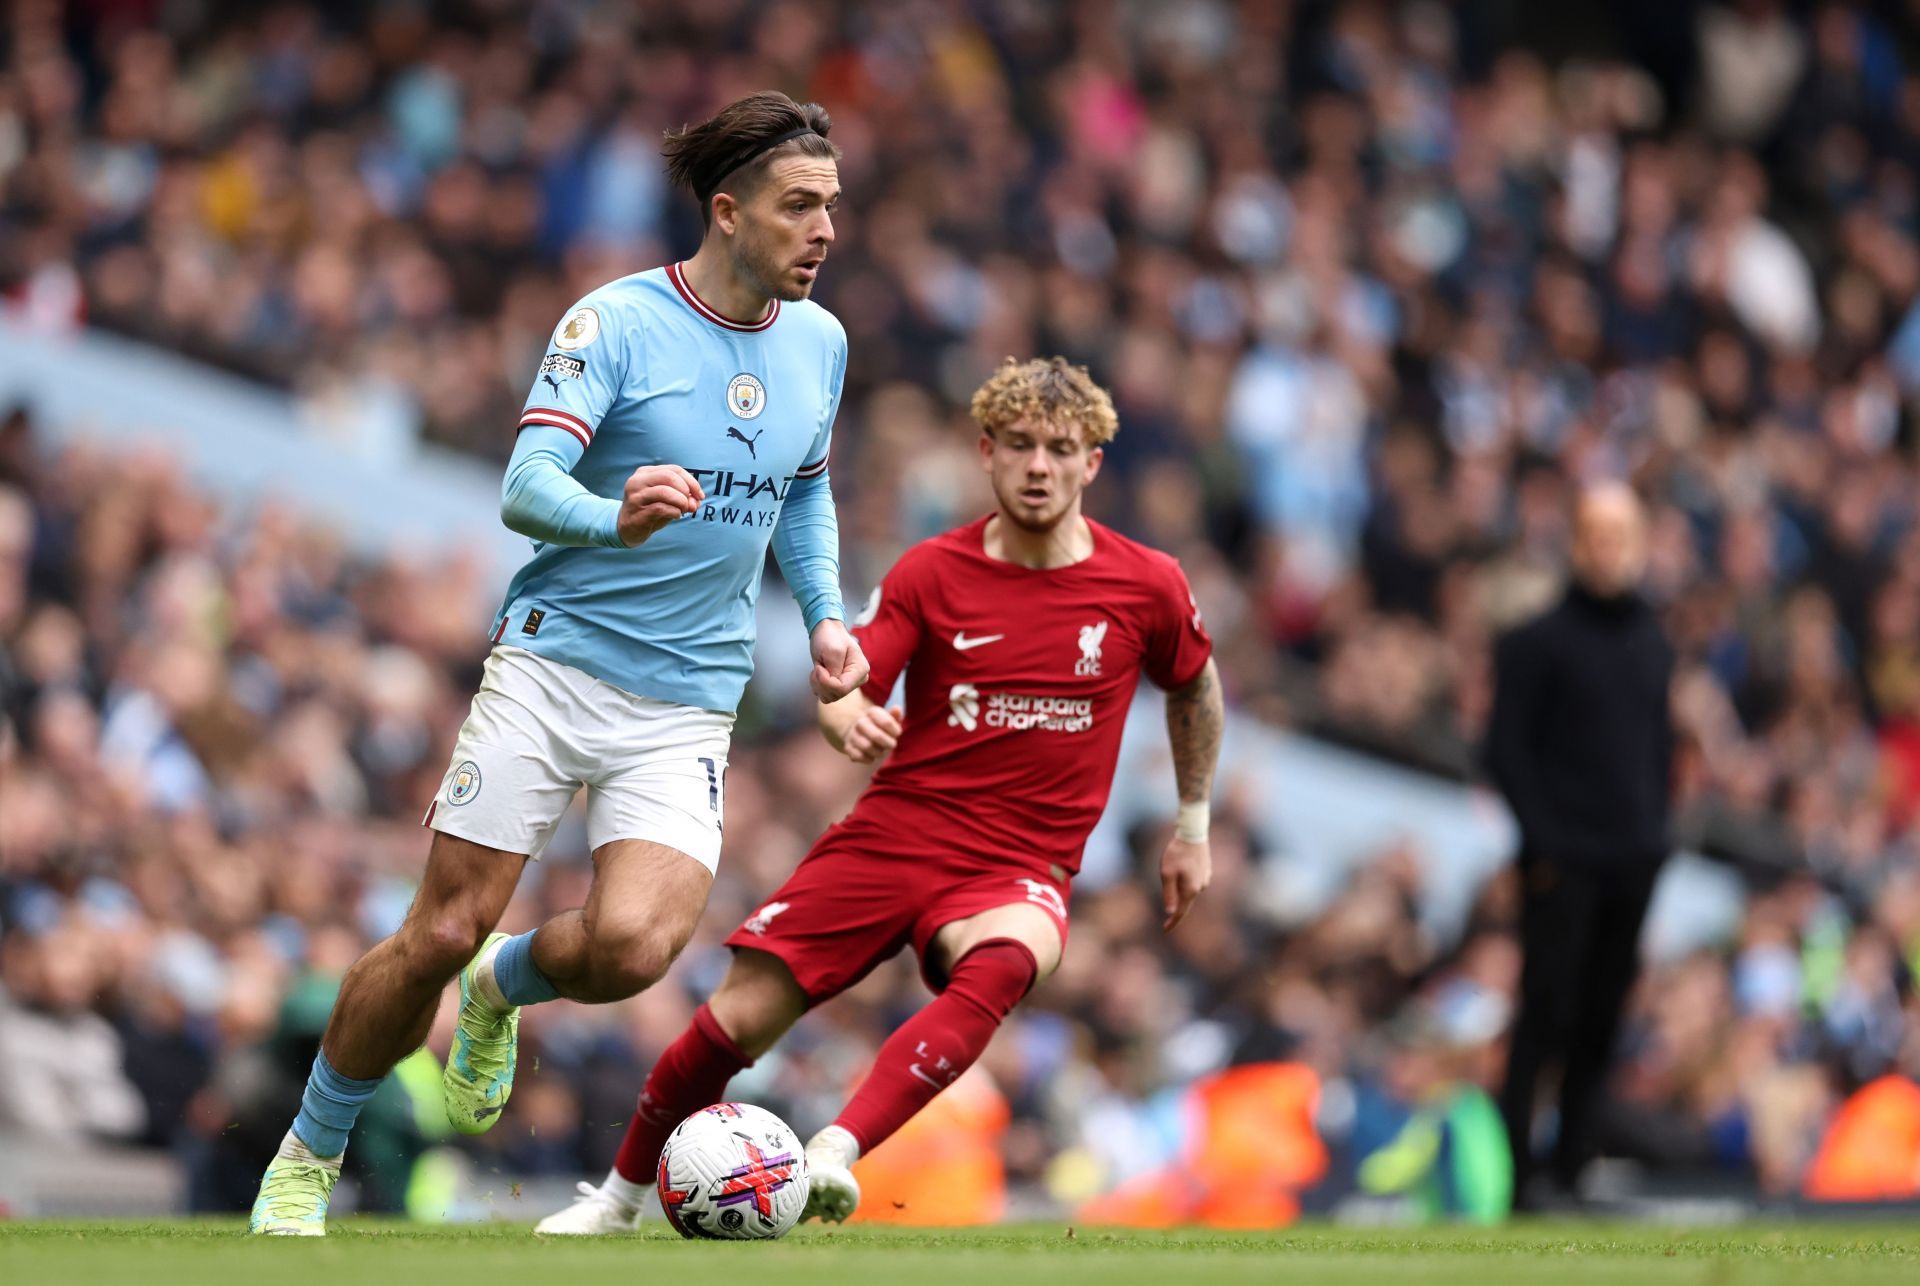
[{"x": 678, "y": 426}]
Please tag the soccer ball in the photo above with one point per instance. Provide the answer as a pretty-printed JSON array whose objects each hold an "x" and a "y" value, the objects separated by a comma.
[{"x": 733, "y": 1172}]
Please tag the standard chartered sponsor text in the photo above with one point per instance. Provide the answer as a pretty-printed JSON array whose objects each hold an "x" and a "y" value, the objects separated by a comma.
[{"x": 1017, "y": 712}]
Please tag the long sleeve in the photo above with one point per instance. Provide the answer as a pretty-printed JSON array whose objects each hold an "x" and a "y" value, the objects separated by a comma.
[
  {"x": 1665, "y": 743},
  {"x": 806, "y": 544},
  {"x": 541, "y": 499},
  {"x": 891, "y": 626},
  {"x": 1512, "y": 755}
]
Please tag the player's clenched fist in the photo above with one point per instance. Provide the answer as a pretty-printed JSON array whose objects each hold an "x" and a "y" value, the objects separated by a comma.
[
  {"x": 656, "y": 494},
  {"x": 873, "y": 735},
  {"x": 839, "y": 666}
]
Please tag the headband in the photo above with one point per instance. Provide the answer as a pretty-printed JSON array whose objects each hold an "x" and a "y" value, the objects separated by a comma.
[{"x": 752, "y": 153}]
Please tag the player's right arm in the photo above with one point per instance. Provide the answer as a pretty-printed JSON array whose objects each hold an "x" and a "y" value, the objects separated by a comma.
[
  {"x": 542, "y": 500},
  {"x": 862, "y": 731},
  {"x": 576, "y": 384}
]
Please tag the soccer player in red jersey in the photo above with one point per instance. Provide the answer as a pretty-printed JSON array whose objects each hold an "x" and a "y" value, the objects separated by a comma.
[{"x": 1023, "y": 637}]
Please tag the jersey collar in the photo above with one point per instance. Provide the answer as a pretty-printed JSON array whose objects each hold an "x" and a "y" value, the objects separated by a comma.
[{"x": 678, "y": 277}]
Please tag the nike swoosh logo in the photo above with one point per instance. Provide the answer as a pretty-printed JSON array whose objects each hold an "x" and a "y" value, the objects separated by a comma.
[
  {"x": 961, "y": 643},
  {"x": 915, "y": 1069},
  {"x": 486, "y": 1112}
]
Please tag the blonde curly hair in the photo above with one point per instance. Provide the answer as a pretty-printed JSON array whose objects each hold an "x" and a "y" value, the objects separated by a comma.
[{"x": 1049, "y": 390}]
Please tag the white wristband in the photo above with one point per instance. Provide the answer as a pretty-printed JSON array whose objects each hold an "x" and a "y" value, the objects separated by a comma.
[{"x": 1192, "y": 821}]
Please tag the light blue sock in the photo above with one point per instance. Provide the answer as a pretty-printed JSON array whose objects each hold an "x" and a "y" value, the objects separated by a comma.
[
  {"x": 329, "y": 1108},
  {"x": 513, "y": 972}
]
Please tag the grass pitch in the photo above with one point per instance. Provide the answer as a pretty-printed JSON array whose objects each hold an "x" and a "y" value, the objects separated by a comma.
[{"x": 194, "y": 1253}]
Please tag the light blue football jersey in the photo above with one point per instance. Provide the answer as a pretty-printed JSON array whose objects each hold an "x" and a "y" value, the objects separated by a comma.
[{"x": 642, "y": 371}]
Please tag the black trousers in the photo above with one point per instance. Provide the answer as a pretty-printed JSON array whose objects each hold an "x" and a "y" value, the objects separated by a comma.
[{"x": 1580, "y": 945}]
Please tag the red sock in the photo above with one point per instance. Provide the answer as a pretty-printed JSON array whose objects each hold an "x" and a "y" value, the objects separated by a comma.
[
  {"x": 692, "y": 1074},
  {"x": 934, "y": 1046}
]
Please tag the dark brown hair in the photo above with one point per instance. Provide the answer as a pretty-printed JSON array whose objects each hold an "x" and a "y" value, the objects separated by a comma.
[{"x": 701, "y": 157}]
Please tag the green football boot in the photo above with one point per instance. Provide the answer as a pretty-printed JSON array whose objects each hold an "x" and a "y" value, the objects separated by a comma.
[
  {"x": 294, "y": 1192},
  {"x": 479, "y": 1074}
]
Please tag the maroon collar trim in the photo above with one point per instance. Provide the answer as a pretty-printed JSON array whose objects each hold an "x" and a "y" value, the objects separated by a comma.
[{"x": 679, "y": 279}]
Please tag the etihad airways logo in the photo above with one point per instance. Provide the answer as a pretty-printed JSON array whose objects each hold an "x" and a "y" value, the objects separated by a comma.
[
  {"x": 729, "y": 485},
  {"x": 968, "y": 708}
]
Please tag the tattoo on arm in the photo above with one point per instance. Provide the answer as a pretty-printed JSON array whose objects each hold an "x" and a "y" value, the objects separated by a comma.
[{"x": 1196, "y": 717}]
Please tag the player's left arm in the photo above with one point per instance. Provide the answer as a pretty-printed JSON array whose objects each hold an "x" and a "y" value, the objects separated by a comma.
[
  {"x": 806, "y": 544},
  {"x": 1196, "y": 720},
  {"x": 1180, "y": 659}
]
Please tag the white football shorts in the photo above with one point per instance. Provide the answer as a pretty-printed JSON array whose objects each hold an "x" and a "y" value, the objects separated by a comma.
[{"x": 539, "y": 730}]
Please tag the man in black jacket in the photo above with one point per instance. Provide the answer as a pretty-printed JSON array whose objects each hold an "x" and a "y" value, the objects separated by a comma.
[{"x": 1581, "y": 745}]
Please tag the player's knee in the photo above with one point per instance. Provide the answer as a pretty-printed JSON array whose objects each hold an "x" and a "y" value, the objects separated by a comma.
[
  {"x": 628, "y": 962},
  {"x": 754, "y": 1013},
  {"x": 758, "y": 1033},
  {"x": 444, "y": 941},
  {"x": 993, "y": 977}
]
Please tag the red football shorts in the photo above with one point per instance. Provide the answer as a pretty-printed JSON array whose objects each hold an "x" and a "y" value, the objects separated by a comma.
[{"x": 854, "y": 901}]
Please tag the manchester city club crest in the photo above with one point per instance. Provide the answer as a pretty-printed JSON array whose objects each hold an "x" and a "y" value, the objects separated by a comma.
[
  {"x": 465, "y": 784},
  {"x": 746, "y": 396}
]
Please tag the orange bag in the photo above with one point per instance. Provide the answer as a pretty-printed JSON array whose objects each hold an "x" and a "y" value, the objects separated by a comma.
[
  {"x": 943, "y": 1168},
  {"x": 1871, "y": 1151}
]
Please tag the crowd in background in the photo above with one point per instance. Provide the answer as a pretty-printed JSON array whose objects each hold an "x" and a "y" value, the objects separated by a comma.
[{"x": 1376, "y": 286}]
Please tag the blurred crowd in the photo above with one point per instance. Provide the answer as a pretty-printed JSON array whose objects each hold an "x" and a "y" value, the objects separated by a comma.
[{"x": 1376, "y": 286}]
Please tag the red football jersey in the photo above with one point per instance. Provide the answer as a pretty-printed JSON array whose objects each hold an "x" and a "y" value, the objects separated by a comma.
[{"x": 1018, "y": 685}]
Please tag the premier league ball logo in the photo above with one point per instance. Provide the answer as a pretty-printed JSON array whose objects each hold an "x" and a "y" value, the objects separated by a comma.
[{"x": 733, "y": 1172}]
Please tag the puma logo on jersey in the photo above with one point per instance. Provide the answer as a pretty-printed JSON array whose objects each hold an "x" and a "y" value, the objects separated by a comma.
[
  {"x": 752, "y": 449},
  {"x": 961, "y": 643},
  {"x": 762, "y": 920}
]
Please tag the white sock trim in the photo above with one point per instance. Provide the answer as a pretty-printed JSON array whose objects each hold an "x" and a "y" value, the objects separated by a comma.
[
  {"x": 837, "y": 1144},
  {"x": 294, "y": 1150},
  {"x": 486, "y": 988},
  {"x": 626, "y": 1194}
]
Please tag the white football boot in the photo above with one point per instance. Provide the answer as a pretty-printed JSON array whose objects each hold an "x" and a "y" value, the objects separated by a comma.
[
  {"x": 833, "y": 1194},
  {"x": 595, "y": 1212}
]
